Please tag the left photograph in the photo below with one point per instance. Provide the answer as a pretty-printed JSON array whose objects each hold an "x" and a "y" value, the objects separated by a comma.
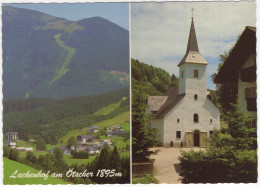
[{"x": 66, "y": 89}]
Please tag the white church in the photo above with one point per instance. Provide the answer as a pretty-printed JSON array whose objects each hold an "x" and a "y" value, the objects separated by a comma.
[{"x": 186, "y": 115}]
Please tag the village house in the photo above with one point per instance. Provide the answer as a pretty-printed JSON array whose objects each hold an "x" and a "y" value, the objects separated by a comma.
[
  {"x": 12, "y": 144},
  {"x": 85, "y": 138},
  {"x": 11, "y": 136},
  {"x": 96, "y": 148},
  {"x": 108, "y": 142},
  {"x": 119, "y": 128},
  {"x": 66, "y": 150},
  {"x": 185, "y": 115},
  {"x": 81, "y": 147},
  {"x": 240, "y": 68},
  {"x": 93, "y": 129},
  {"x": 93, "y": 150},
  {"x": 24, "y": 149},
  {"x": 116, "y": 131}
]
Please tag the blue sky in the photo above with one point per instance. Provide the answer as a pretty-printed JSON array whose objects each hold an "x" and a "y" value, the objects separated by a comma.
[
  {"x": 115, "y": 12},
  {"x": 159, "y": 31}
]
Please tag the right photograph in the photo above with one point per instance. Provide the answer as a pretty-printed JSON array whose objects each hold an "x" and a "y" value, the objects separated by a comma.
[{"x": 193, "y": 90}]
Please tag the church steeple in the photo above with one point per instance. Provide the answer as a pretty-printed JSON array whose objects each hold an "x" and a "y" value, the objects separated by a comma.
[
  {"x": 192, "y": 42},
  {"x": 192, "y": 54},
  {"x": 192, "y": 68}
]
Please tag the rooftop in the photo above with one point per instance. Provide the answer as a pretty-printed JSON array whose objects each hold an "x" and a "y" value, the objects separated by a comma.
[
  {"x": 244, "y": 47},
  {"x": 192, "y": 55}
]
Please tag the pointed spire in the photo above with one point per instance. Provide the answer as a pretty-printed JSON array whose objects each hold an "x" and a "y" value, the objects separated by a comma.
[
  {"x": 192, "y": 43},
  {"x": 192, "y": 54}
]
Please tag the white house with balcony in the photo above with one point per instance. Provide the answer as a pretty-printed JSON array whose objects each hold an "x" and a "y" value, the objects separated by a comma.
[{"x": 240, "y": 68}]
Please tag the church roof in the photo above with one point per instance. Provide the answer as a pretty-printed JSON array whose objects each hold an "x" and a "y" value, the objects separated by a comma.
[
  {"x": 172, "y": 100},
  {"x": 192, "y": 54},
  {"x": 155, "y": 102}
]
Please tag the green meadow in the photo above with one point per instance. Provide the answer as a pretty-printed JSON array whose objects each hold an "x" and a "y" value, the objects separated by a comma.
[
  {"x": 108, "y": 109},
  {"x": 11, "y": 166}
]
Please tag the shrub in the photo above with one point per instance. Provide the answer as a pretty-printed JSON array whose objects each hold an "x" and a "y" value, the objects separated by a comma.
[
  {"x": 80, "y": 154},
  {"x": 147, "y": 179},
  {"x": 31, "y": 157},
  {"x": 40, "y": 144},
  {"x": 13, "y": 154},
  {"x": 6, "y": 150},
  {"x": 229, "y": 166}
]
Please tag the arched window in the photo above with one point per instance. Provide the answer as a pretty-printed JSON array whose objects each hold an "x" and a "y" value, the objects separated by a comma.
[
  {"x": 195, "y": 96},
  {"x": 181, "y": 74},
  {"x": 196, "y": 118},
  {"x": 178, "y": 120},
  {"x": 196, "y": 73},
  {"x": 210, "y": 120}
]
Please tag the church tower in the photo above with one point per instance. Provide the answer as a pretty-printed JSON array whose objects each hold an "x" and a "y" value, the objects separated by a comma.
[
  {"x": 192, "y": 68},
  {"x": 185, "y": 115}
]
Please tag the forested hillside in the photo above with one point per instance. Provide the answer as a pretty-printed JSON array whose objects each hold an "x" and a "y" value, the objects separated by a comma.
[
  {"x": 51, "y": 119},
  {"x": 154, "y": 81},
  {"x": 46, "y": 56},
  {"x": 146, "y": 81}
]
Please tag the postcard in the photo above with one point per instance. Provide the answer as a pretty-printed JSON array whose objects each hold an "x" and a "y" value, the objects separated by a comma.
[
  {"x": 66, "y": 93},
  {"x": 129, "y": 93}
]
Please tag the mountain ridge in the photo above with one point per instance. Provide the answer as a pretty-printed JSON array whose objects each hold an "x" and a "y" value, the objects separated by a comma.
[{"x": 34, "y": 55}]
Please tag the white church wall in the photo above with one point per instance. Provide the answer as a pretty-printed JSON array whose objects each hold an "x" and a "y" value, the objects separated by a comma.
[
  {"x": 194, "y": 85},
  {"x": 171, "y": 124},
  {"x": 182, "y": 82},
  {"x": 189, "y": 84},
  {"x": 158, "y": 124},
  {"x": 184, "y": 111}
]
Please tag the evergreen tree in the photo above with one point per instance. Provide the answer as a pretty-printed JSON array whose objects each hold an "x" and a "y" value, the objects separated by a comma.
[
  {"x": 40, "y": 144},
  {"x": 232, "y": 155},
  {"x": 6, "y": 150},
  {"x": 142, "y": 138},
  {"x": 115, "y": 160},
  {"x": 13, "y": 154},
  {"x": 239, "y": 127},
  {"x": 72, "y": 142},
  {"x": 104, "y": 158}
]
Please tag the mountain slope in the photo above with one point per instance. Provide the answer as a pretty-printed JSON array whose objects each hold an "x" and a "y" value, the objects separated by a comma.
[
  {"x": 46, "y": 56},
  {"x": 53, "y": 118}
]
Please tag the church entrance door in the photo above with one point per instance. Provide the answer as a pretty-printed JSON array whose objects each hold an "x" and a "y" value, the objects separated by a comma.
[
  {"x": 189, "y": 139},
  {"x": 196, "y": 139}
]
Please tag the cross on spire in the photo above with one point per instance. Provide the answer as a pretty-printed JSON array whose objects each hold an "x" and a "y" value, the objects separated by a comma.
[{"x": 192, "y": 12}]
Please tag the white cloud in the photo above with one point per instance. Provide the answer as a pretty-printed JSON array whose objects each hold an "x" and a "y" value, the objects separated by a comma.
[{"x": 159, "y": 31}]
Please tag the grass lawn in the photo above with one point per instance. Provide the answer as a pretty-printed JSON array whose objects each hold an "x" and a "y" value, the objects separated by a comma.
[
  {"x": 147, "y": 179},
  {"x": 126, "y": 126},
  {"x": 22, "y": 143},
  {"x": 122, "y": 118},
  {"x": 11, "y": 166},
  {"x": 108, "y": 109},
  {"x": 115, "y": 140},
  {"x": 122, "y": 144},
  {"x": 75, "y": 133},
  {"x": 70, "y": 160}
]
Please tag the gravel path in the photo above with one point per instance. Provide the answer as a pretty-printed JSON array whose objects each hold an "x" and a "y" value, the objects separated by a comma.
[{"x": 167, "y": 164}]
